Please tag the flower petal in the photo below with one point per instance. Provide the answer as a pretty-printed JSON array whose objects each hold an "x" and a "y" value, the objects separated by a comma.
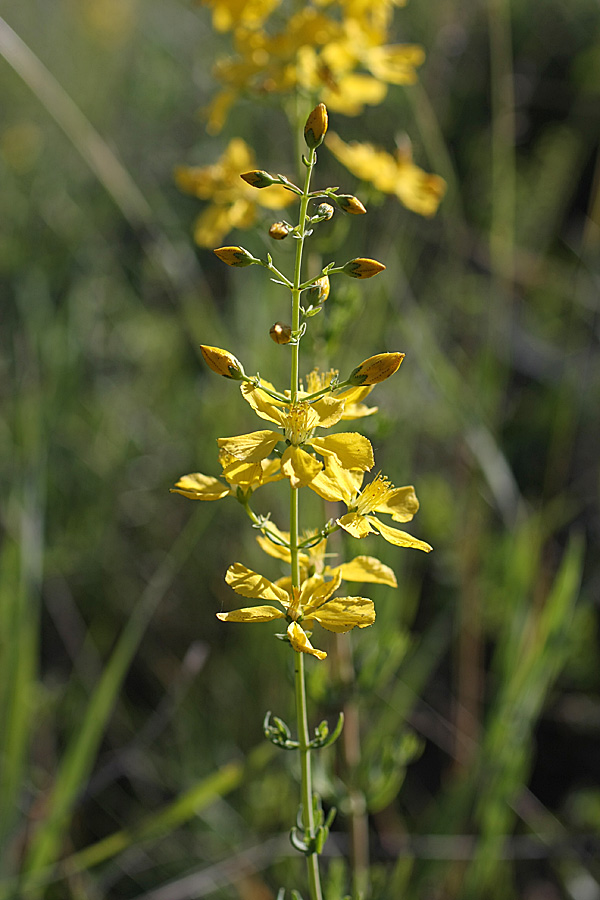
[
  {"x": 299, "y": 466},
  {"x": 397, "y": 537},
  {"x": 200, "y": 487},
  {"x": 367, "y": 569},
  {"x": 250, "y": 584},
  {"x": 343, "y": 613},
  {"x": 351, "y": 450},
  {"x": 356, "y": 525},
  {"x": 401, "y": 505},
  {"x": 335, "y": 483},
  {"x": 252, "y": 614},
  {"x": 301, "y": 643},
  {"x": 330, "y": 410},
  {"x": 316, "y": 591},
  {"x": 250, "y": 447},
  {"x": 262, "y": 404}
]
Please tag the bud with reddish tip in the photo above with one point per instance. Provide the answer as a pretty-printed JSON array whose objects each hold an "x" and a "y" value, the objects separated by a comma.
[
  {"x": 375, "y": 369},
  {"x": 235, "y": 256},
  {"x": 223, "y": 362},
  {"x": 280, "y": 333},
  {"x": 362, "y": 268},
  {"x": 316, "y": 126}
]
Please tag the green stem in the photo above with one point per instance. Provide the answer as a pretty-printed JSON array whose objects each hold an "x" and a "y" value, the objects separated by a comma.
[{"x": 308, "y": 821}]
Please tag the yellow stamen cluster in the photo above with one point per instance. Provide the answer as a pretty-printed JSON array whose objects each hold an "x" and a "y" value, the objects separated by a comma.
[
  {"x": 299, "y": 423},
  {"x": 373, "y": 495}
]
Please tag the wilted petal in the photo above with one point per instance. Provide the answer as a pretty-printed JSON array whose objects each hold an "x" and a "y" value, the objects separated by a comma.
[{"x": 301, "y": 643}]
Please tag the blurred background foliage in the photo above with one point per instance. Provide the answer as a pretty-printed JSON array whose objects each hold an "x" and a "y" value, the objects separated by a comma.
[{"x": 132, "y": 762}]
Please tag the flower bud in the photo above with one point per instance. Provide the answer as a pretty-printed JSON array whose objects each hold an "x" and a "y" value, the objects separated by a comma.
[
  {"x": 222, "y": 362},
  {"x": 279, "y": 230},
  {"x": 235, "y": 256},
  {"x": 258, "y": 178},
  {"x": 280, "y": 333},
  {"x": 362, "y": 268},
  {"x": 375, "y": 369},
  {"x": 349, "y": 204},
  {"x": 316, "y": 126},
  {"x": 325, "y": 210},
  {"x": 319, "y": 292}
]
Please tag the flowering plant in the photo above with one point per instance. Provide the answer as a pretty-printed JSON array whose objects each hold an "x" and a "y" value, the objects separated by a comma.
[{"x": 333, "y": 465}]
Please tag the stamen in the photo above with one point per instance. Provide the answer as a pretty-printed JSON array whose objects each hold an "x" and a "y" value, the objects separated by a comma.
[{"x": 375, "y": 493}]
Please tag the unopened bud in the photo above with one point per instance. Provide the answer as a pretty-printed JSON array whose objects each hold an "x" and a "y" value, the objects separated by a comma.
[
  {"x": 235, "y": 256},
  {"x": 349, "y": 204},
  {"x": 316, "y": 126},
  {"x": 258, "y": 178},
  {"x": 375, "y": 369},
  {"x": 280, "y": 333},
  {"x": 319, "y": 292},
  {"x": 222, "y": 362},
  {"x": 363, "y": 268},
  {"x": 279, "y": 230},
  {"x": 325, "y": 210}
]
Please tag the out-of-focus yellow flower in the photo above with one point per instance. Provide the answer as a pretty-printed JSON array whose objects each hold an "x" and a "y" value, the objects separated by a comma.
[
  {"x": 347, "y": 62},
  {"x": 233, "y": 201},
  {"x": 416, "y": 189},
  {"x": 379, "y": 496},
  {"x": 246, "y": 13},
  {"x": 298, "y": 423},
  {"x": 374, "y": 13},
  {"x": 313, "y": 602}
]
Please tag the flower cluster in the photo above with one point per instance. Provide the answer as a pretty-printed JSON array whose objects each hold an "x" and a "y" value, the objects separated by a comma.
[{"x": 300, "y": 445}]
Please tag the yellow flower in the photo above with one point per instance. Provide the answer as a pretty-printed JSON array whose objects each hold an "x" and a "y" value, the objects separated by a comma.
[
  {"x": 313, "y": 602},
  {"x": 248, "y": 13},
  {"x": 398, "y": 175},
  {"x": 247, "y": 476},
  {"x": 298, "y": 423},
  {"x": 233, "y": 201},
  {"x": 367, "y": 569},
  {"x": 379, "y": 496},
  {"x": 347, "y": 62}
]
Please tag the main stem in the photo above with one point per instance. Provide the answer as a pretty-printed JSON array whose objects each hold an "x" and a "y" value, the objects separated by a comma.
[{"x": 308, "y": 819}]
